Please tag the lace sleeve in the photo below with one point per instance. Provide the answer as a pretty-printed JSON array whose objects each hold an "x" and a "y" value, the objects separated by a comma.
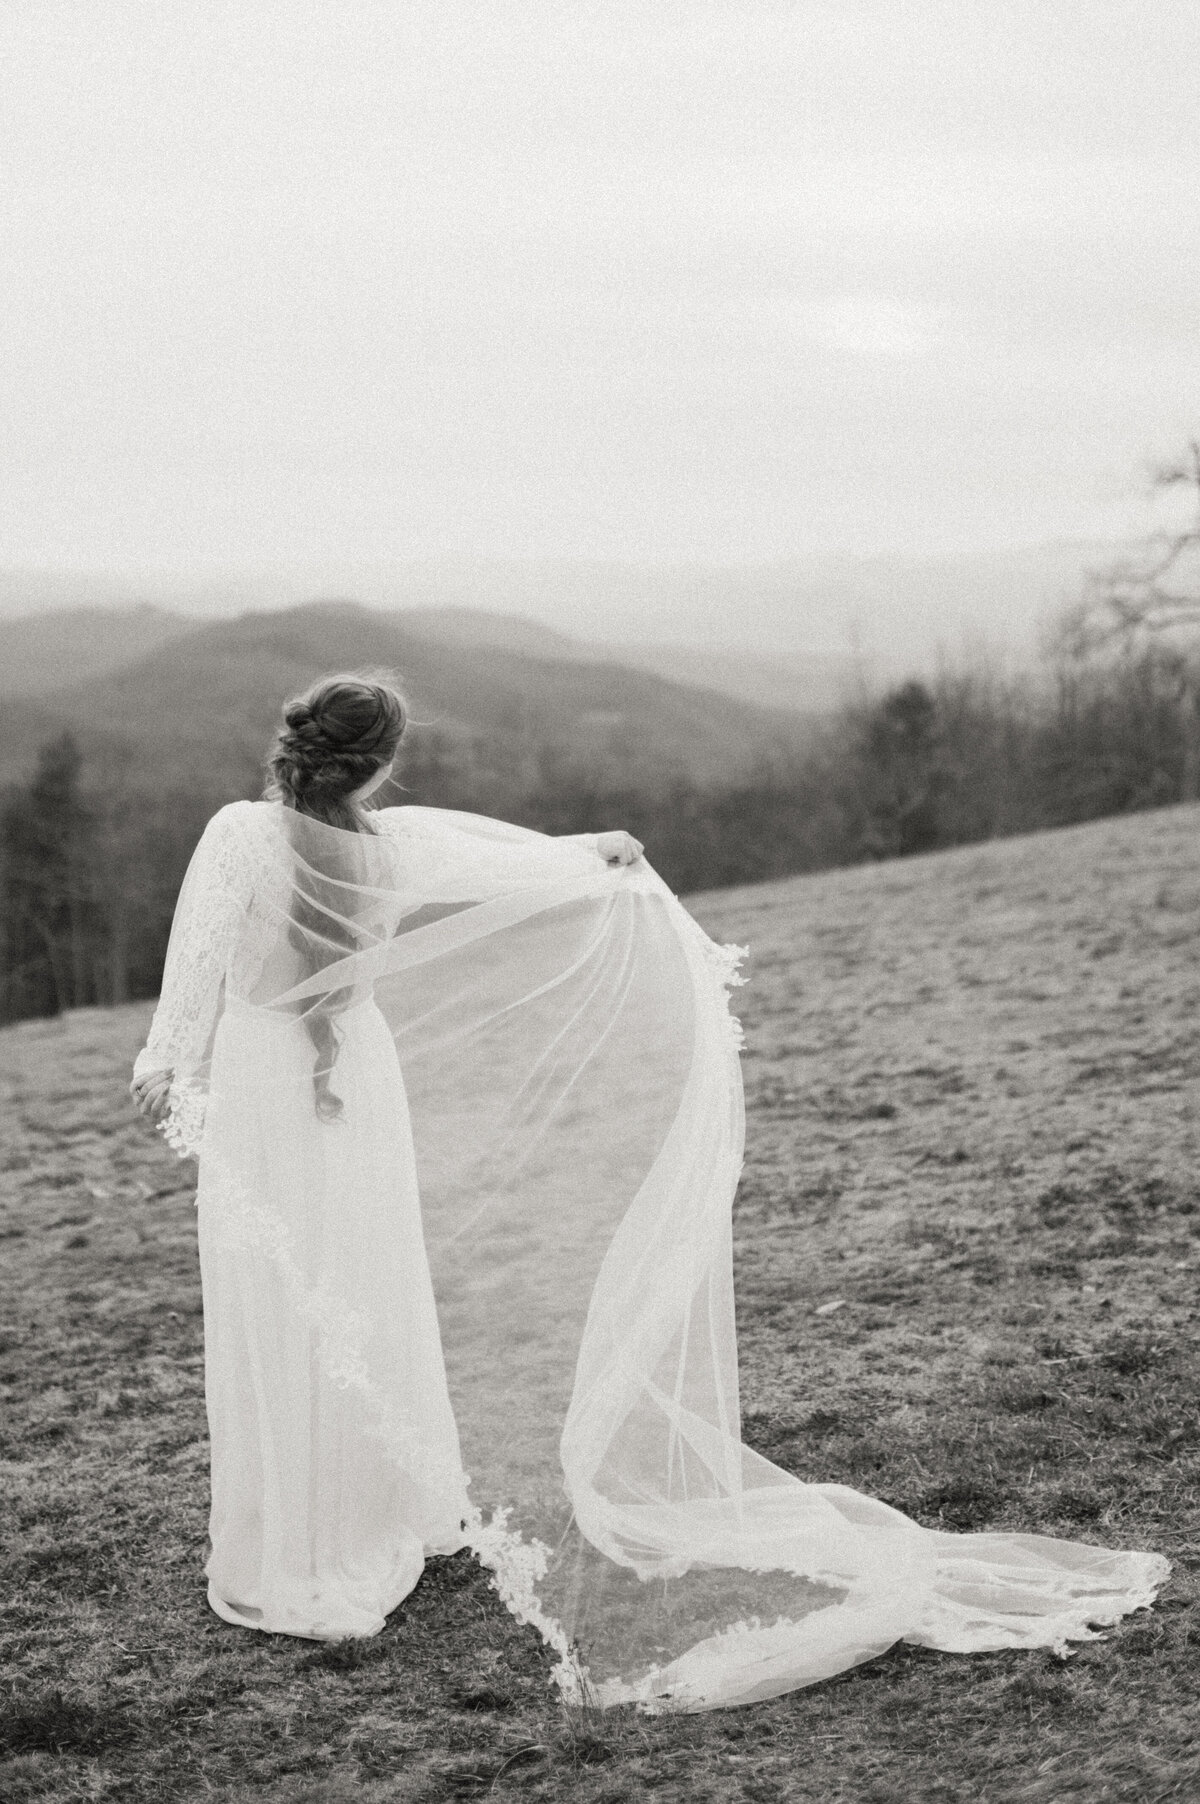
[{"x": 208, "y": 916}]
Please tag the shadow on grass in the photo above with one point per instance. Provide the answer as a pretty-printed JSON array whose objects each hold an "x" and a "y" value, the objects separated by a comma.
[{"x": 52, "y": 1721}]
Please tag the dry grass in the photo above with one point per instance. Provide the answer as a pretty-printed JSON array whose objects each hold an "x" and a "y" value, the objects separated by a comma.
[{"x": 971, "y": 1082}]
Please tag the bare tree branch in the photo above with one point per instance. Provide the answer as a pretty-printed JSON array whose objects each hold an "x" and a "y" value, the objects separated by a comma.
[{"x": 1135, "y": 596}]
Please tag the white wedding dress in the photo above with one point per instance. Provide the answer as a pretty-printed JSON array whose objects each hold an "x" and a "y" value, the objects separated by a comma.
[{"x": 468, "y": 1111}]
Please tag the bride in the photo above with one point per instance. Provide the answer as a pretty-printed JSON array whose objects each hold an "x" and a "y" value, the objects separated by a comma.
[{"x": 468, "y": 1112}]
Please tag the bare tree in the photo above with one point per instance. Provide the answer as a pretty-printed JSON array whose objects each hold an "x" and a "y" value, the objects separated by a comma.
[{"x": 1147, "y": 604}]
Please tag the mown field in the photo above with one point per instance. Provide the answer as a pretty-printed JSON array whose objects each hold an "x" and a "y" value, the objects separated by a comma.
[{"x": 967, "y": 1252}]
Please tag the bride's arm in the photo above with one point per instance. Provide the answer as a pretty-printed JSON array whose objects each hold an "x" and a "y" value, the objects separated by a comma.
[{"x": 208, "y": 914}]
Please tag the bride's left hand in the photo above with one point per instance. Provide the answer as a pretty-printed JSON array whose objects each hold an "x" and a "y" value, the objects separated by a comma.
[{"x": 619, "y": 847}]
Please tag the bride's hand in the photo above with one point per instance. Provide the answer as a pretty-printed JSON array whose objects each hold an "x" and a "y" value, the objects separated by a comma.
[
  {"x": 151, "y": 1094},
  {"x": 619, "y": 847}
]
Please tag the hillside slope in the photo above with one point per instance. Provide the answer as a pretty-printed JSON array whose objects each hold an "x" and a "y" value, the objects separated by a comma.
[
  {"x": 807, "y": 683},
  {"x": 39, "y": 653},
  {"x": 212, "y": 695},
  {"x": 967, "y": 1244}
]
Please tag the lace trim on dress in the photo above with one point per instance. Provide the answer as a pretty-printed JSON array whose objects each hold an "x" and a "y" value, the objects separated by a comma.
[
  {"x": 182, "y": 1127},
  {"x": 246, "y": 1226},
  {"x": 725, "y": 964},
  {"x": 687, "y": 1683},
  {"x": 722, "y": 965},
  {"x": 988, "y": 1608},
  {"x": 514, "y": 1563}
]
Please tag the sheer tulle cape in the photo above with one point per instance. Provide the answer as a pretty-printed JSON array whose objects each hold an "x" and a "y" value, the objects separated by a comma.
[{"x": 572, "y": 1076}]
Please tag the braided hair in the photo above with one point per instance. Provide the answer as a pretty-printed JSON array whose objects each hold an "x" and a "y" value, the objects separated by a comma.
[{"x": 335, "y": 737}]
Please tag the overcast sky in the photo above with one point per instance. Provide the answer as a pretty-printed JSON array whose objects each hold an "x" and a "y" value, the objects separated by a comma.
[{"x": 303, "y": 282}]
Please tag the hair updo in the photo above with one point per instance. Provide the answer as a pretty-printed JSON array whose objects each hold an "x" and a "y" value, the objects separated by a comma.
[{"x": 334, "y": 738}]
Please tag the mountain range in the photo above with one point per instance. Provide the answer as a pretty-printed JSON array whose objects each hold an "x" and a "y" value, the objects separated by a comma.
[
  {"x": 791, "y": 633},
  {"x": 45, "y": 651},
  {"x": 619, "y": 667},
  {"x": 197, "y": 701}
]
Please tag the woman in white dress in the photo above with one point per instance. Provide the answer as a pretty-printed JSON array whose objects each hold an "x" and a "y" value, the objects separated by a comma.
[{"x": 468, "y": 1111}]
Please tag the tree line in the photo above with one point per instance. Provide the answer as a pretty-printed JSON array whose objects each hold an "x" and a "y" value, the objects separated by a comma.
[
  {"x": 91, "y": 858},
  {"x": 90, "y": 863}
]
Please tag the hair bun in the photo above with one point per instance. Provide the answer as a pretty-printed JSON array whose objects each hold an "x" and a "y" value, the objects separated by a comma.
[
  {"x": 298, "y": 714},
  {"x": 304, "y": 734},
  {"x": 335, "y": 737}
]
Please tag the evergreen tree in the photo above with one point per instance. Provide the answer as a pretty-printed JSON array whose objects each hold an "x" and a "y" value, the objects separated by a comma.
[{"x": 46, "y": 886}]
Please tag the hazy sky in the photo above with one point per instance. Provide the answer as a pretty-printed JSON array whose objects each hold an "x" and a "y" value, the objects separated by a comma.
[{"x": 303, "y": 282}]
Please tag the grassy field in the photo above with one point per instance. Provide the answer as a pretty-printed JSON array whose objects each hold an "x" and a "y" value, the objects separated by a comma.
[{"x": 967, "y": 1251}]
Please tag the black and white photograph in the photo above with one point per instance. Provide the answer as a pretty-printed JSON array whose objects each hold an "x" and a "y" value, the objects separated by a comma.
[{"x": 599, "y": 902}]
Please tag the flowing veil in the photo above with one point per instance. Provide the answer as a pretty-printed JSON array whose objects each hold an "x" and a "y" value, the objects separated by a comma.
[{"x": 571, "y": 1073}]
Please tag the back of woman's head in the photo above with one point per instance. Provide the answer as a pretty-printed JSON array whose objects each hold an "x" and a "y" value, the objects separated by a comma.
[{"x": 334, "y": 738}]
